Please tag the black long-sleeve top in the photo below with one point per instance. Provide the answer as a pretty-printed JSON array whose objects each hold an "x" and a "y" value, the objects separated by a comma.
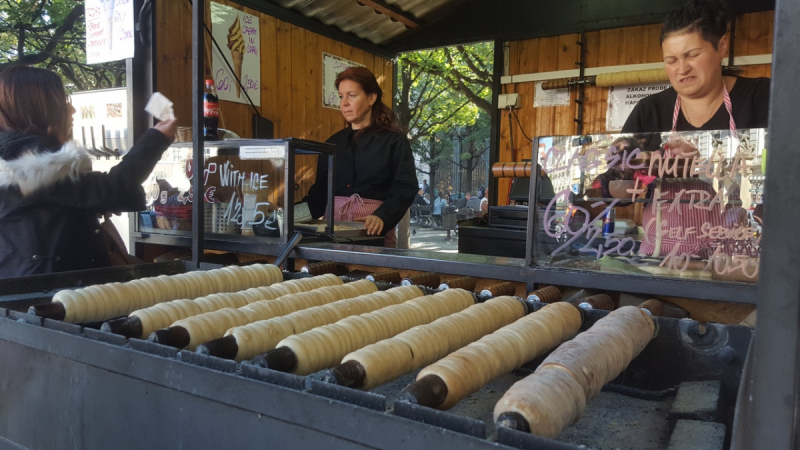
[
  {"x": 749, "y": 104},
  {"x": 379, "y": 167}
]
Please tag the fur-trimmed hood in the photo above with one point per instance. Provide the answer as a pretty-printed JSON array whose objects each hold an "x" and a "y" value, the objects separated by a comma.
[{"x": 28, "y": 163}]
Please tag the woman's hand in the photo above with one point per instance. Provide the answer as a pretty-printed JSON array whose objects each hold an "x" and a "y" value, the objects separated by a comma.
[
  {"x": 372, "y": 224},
  {"x": 167, "y": 128},
  {"x": 681, "y": 148}
]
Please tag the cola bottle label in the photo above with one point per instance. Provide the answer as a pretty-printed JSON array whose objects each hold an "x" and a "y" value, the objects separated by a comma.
[{"x": 210, "y": 109}]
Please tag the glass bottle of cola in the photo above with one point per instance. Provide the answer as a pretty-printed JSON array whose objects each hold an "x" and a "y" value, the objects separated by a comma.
[{"x": 210, "y": 112}]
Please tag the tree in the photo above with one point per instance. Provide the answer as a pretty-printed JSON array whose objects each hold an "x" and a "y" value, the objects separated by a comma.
[
  {"x": 474, "y": 145},
  {"x": 439, "y": 90},
  {"x": 51, "y": 34}
]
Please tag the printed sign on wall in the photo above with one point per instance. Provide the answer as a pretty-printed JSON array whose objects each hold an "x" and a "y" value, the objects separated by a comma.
[
  {"x": 109, "y": 30},
  {"x": 332, "y": 66},
  {"x": 622, "y": 99},
  {"x": 238, "y": 37},
  {"x": 551, "y": 97}
]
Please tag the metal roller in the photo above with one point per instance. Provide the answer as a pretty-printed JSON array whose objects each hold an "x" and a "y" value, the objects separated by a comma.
[
  {"x": 512, "y": 170},
  {"x": 547, "y": 294},
  {"x": 466, "y": 283},
  {"x": 429, "y": 279},
  {"x": 653, "y": 306},
  {"x": 498, "y": 290},
  {"x": 599, "y": 301},
  {"x": 391, "y": 276},
  {"x": 323, "y": 267}
]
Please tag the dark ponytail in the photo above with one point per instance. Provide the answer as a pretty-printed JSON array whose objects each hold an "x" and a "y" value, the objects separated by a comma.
[
  {"x": 708, "y": 17},
  {"x": 382, "y": 117}
]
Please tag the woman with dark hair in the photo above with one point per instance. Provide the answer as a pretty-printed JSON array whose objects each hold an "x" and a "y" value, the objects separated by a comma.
[
  {"x": 694, "y": 41},
  {"x": 49, "y": 196},
  {"x": 375, "y": 176}
]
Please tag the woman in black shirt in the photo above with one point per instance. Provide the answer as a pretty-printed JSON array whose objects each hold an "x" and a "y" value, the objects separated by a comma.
[
  {"x": 694, "y": 41},
  {"x": 375, "y": 177}
]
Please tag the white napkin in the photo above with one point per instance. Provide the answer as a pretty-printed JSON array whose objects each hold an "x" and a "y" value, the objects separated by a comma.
[{"x": 160, "y": 107}]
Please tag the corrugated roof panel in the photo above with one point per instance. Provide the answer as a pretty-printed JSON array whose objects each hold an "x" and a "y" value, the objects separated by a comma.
[{"x": 363, "y": 21}]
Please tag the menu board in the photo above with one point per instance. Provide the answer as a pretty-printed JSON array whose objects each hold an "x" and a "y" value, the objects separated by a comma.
[
  {"x": 237, "y": 35},
  {"x": 109, "y": 30},
  {"x": 683, "y": 204}
]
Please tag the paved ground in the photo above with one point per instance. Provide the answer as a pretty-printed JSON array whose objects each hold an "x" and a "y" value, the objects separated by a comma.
[{"x": 433, "y": 239}]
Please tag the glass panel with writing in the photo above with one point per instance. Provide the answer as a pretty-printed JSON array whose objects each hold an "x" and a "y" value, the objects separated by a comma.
[
  {"x": 241, "y": 196},
  {"x": 684, "y": 204}
]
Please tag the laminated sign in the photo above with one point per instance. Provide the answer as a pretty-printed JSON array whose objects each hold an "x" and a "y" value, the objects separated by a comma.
[
  {"x": 622, "y": 99},
  {"x": 109, "y": 30},
  {"x": 236, "y": 34}
]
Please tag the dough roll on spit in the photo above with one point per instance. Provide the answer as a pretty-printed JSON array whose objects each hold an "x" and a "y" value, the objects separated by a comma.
[
  {"x": 468, "y": 369},
  {"x": 325, "y": 346},
  {"x": 264, "y": 335},
  {"x": 555, "y": 395},
  {"x": 422, "y": 345},
  {"x": 165, "y": 314},
  {"x": 105, "y": 301},
  {"x": 212, "y": 325}
]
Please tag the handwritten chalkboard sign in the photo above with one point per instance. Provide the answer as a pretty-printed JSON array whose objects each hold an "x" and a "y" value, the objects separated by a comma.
[
  {"x": 332, "y": 66},
  {"x": 109, "y": 30}
]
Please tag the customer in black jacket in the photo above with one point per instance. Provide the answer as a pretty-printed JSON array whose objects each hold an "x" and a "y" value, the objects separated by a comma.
[
  {"x": 49, "y": 196},
  {"x": 375, "y": 177}
]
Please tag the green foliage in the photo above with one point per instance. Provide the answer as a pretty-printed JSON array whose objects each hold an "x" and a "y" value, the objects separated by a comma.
[
  {"x": 51, "y": 34},
  {"x": 442, "y": 91}
]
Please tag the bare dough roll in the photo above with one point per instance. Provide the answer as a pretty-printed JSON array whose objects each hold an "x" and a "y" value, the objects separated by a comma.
[
  {"x": 154, "y": 318},
  {"x": 425, "y": 344},
  {"x": 555, "y": 395},
  {"x": 103, "y": 302},
  {"x": 468, "y": 369},
  {"x": 258, "y": 337},
  {"x": 354, "y": 332},
  {"x": 207, "y": 326}
]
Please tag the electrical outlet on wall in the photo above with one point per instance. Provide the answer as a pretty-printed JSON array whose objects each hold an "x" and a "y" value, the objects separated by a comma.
[{"x": 508, "y": 101}]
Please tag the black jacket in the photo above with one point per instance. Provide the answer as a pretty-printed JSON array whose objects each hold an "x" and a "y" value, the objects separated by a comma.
[
  {"x": 50, "y": 199},
  {"x": 379, "y": 167}
]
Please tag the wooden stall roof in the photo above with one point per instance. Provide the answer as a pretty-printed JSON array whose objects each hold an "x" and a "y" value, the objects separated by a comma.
[{"x": 387, "y": 27}]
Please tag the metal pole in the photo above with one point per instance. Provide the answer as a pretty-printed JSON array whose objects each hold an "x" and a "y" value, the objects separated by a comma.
[
  {"x": 494, "y": 139},
  {"x": 582, "y": 85},
  {"x": 198, "y": 51},
  {"x": 533, "y": 207},
  {"x": 771, "y": 419},
  {"x": 140, "y": 82}
]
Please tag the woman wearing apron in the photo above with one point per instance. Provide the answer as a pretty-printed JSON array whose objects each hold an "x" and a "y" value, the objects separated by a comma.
[
  {"x": 375, "y": 179},
  {"x": 694, "y": 41}
]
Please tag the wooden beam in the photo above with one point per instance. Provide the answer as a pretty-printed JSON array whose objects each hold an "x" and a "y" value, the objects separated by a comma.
[{"x": 392, "y": 13}]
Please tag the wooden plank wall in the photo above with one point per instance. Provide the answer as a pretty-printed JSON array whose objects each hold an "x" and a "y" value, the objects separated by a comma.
[
  {"x": 291, "y": 78},
  {"x": 613, "y": 47}
]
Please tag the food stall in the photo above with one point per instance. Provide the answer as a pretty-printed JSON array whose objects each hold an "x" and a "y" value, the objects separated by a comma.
[{"x": 131, "y": 392}]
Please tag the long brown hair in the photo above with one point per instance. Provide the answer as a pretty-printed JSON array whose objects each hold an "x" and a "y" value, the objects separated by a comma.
[
  {"x": 382, "y": 117},
  {"x": 33, "y": 101}
]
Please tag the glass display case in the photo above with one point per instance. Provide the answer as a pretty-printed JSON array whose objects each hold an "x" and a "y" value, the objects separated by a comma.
[
  {"x": 684, "y": 205},
  {"x": 247, "y": 186}
]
